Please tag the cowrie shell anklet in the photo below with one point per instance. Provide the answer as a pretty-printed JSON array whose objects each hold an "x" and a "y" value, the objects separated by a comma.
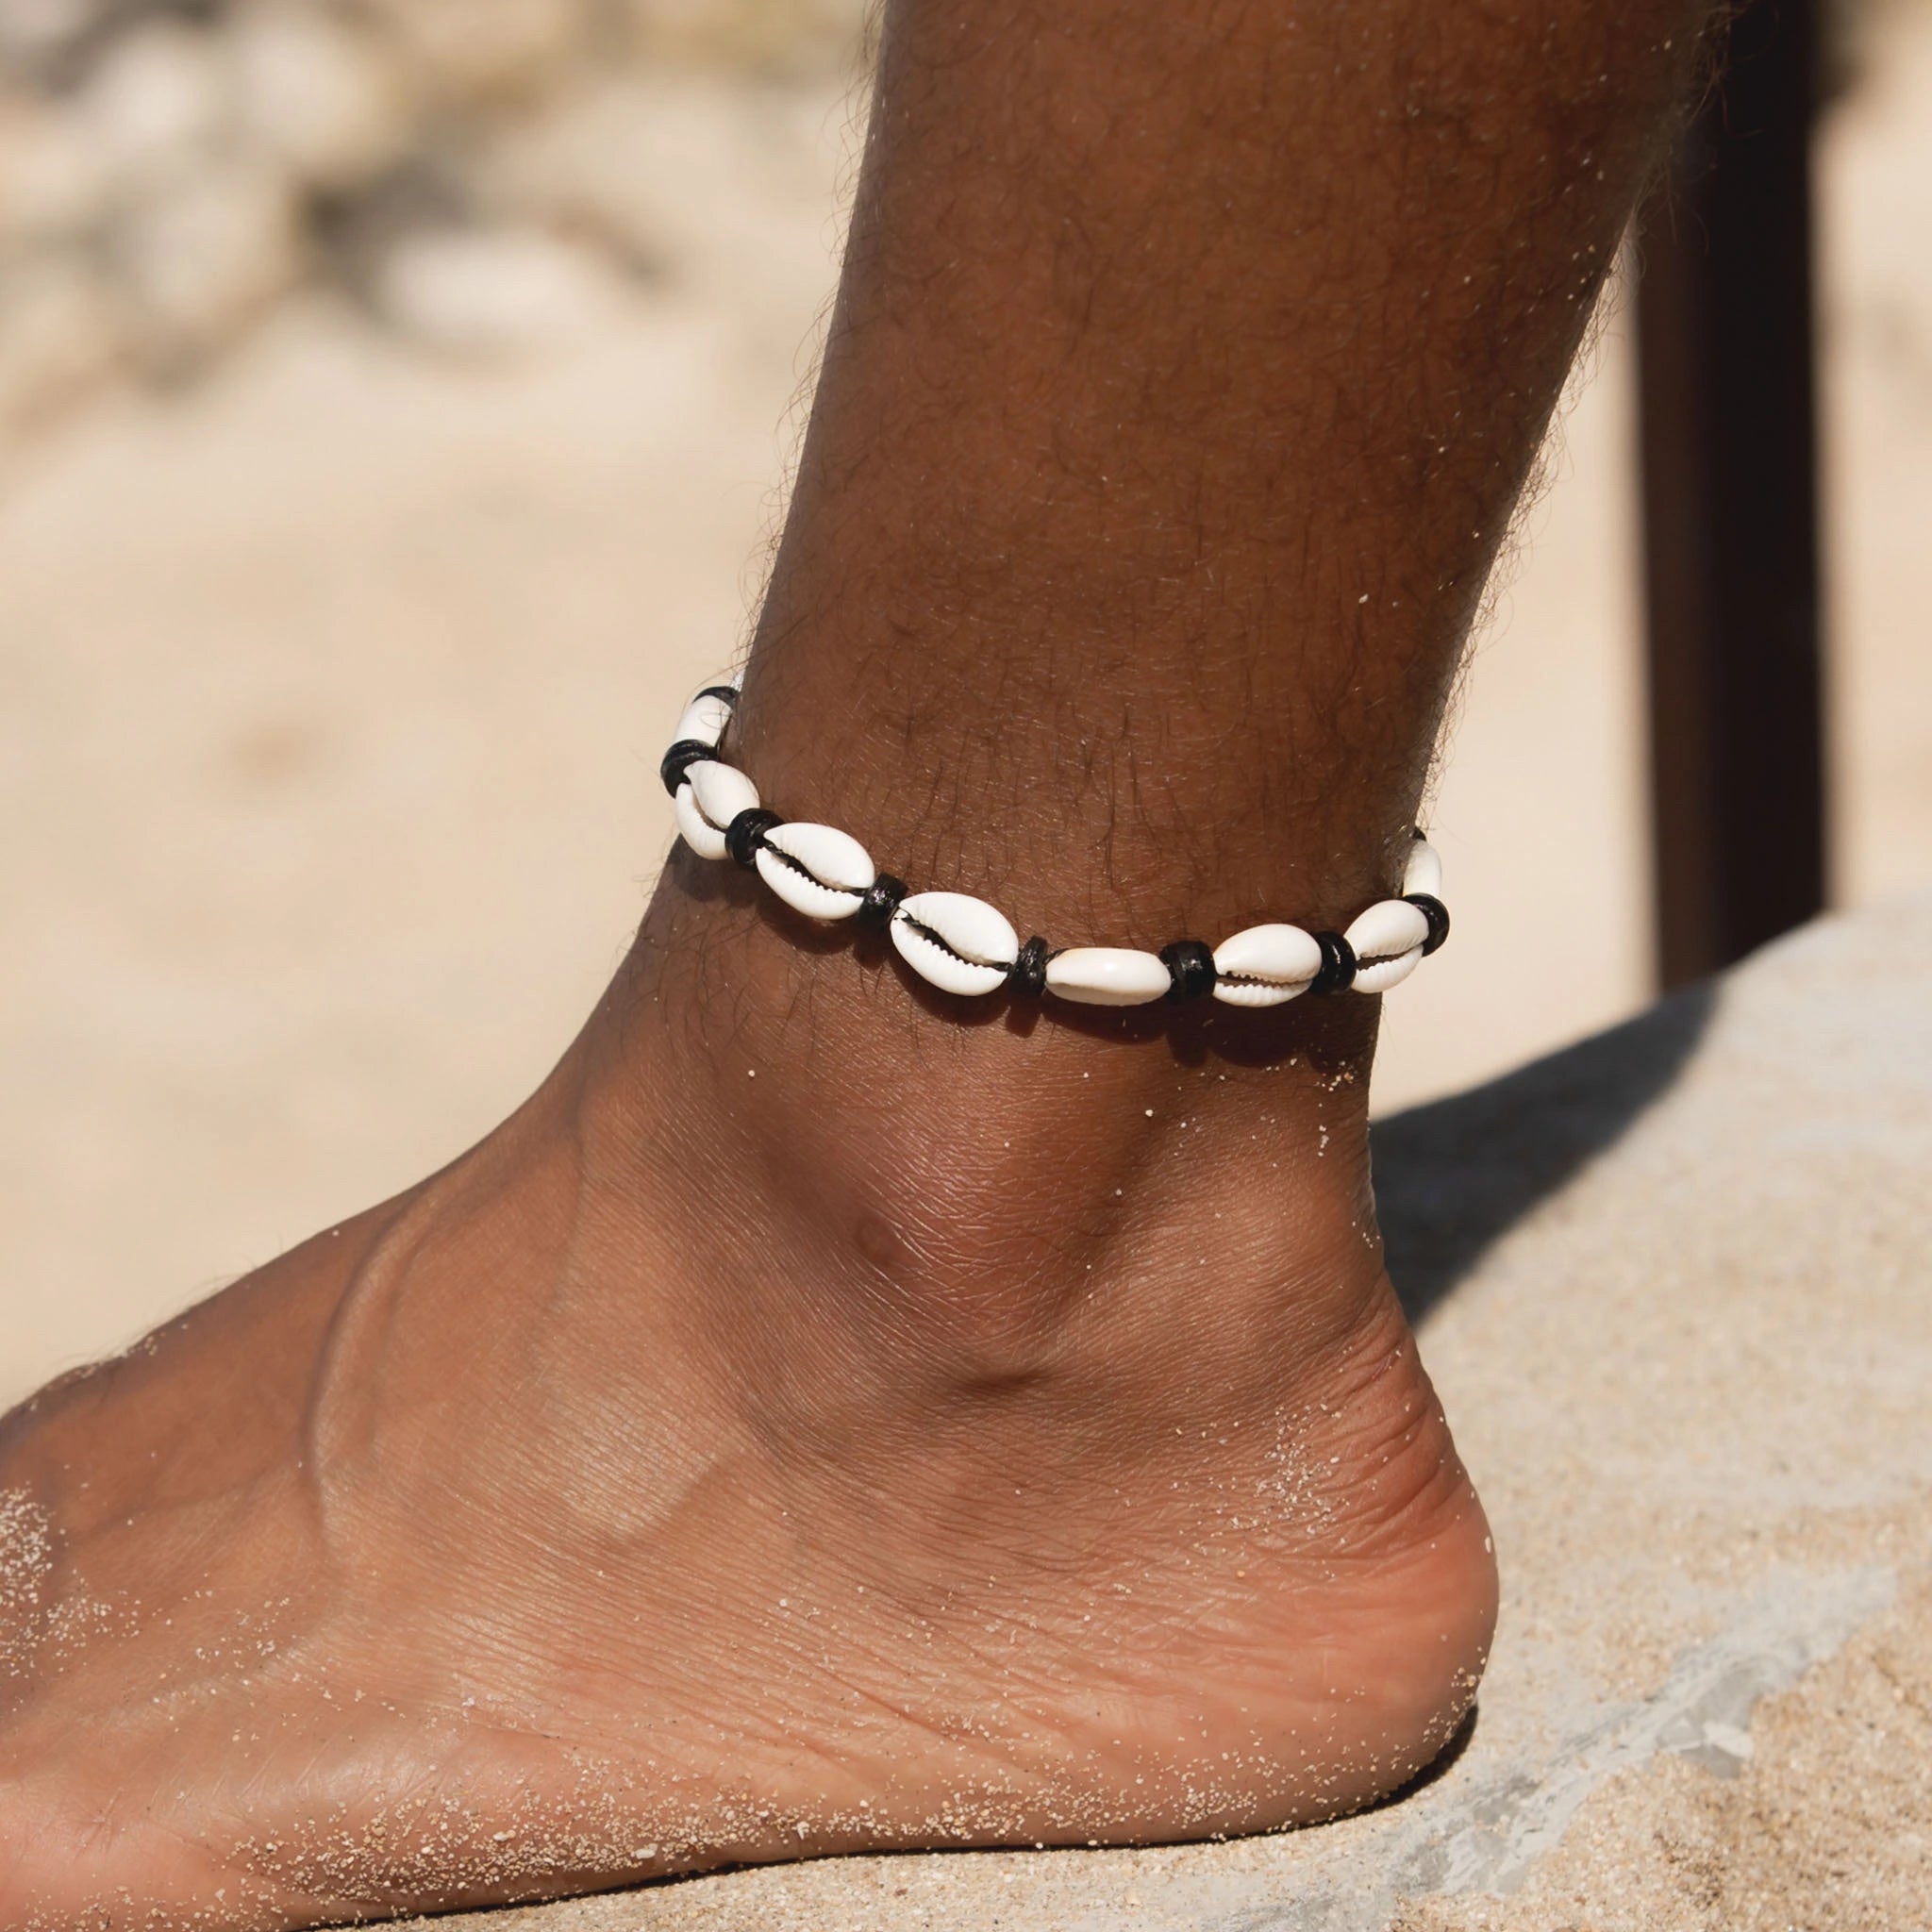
[{"x": 963, "y": 945}]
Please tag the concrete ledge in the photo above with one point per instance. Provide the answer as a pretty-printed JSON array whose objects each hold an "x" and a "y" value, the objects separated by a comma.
[{"x": 1677, "y": 1288}]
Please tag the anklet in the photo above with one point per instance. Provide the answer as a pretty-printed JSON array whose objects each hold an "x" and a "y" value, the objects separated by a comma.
[{"x": 963, "y": 945}]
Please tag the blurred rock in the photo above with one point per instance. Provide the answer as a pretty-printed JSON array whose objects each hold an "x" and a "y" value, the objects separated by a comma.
[
  {"x": 321, "y": 93},
  {"x": 35, "y": 35},
  {"x": 488, "y": 50},
  {"x": 671, "y": 173},
  {"x": 54, "y": 181},
  {"x": 587, "y": 166},
  {"x": 427, "y": 192},
  {"x": 485, "y": 175},
  {"x": 205, "y": 252},
  {"x": 159, "y": 99},
  {"x": 493, "y": 292},
  {"x": 60, "y": 337}
]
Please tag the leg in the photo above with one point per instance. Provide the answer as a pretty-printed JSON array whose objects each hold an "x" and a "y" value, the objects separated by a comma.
[{"x": 821, "y": 1418}]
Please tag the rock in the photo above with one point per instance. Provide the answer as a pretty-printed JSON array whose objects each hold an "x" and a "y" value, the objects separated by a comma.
[
  {"x": 487, "y": 50},
  {"x": 489, "y": 175},
  {"x": 59, "y": 336},
  {"x": 486, "y": 292},
  {"x": 685, "y": 173},
  {"x": 54, "y": 183},
  {"x": 321, "y": 94},
  {"x": 36, "y": 35},
  {"x": 159, "y": 101},
  {"x": 588, "y": 164},
  {"x": 203, "y": 255}
]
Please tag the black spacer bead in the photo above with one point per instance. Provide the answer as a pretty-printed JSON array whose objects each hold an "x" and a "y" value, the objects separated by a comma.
[
  {"x": 1338, "y": 964},
  {"x": 686, "y": 752},
  {"x": 882, "y": 899},
  {"x": 1027, "y": 973},
  {"x": 746, "y": 833},
  {"x": 1189, "y": 969},
  {"x": 1432, "y": 910},
  {"x": 727, "y": 693}
]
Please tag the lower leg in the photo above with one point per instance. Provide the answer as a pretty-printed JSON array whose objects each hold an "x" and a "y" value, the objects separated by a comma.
[
  {"x": 825, "y": 1418},
  {"x": 1187, "y": 365}
]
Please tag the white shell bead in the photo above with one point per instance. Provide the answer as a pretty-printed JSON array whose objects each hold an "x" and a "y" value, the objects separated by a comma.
[
  {"x": 957, "y": 943},
  {"x": 1385, "y": 974},
  {"x": 710, "y": 797},
  {"x": 706, "y": 840},
  {"x": 833, "y": 858},
  {"x": 700, "y": 837},
  {"x": 722, "y": 791},
  {"x": 1265, "y": 966},
  {"x": 829, "y": 873},
  {"x": 1423, "y": 871},
  {"x": 1108, "y": 976},
  {"x": 1387, "y": 940},
  {"x": 704, "y": 721}
]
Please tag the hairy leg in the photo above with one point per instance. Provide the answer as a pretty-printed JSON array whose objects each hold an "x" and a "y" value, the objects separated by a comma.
[
  {"x": 826, "y": 1416},
  {"x": 1186, "y": 364}
]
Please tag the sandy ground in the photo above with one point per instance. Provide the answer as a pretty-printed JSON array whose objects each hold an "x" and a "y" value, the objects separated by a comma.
[{"x": 332, "y": 689}]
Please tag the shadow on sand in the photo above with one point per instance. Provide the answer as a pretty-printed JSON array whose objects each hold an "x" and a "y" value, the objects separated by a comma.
[{"x": 1453, "y": 1175}]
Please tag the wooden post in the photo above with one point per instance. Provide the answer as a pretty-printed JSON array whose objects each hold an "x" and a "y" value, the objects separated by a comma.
[{"x": 1729, "y": 479}]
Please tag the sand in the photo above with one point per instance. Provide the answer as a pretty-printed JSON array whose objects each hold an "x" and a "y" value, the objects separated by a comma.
[{"x": 1675, "y": 1285}]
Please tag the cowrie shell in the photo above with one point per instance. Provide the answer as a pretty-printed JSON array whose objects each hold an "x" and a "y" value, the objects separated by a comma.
[
  {"x": 816, "y": 870},
  {"x": 959, "y": 944},
  {"x": 710, "y": 797},
  {"x": 1423, "y": 871},
  {"x": 1108, "y": 976},
  {"x": 1388, "y": 941},
  {"x": 1265, "y": 966},
  {"x": 704, "y": 721}
]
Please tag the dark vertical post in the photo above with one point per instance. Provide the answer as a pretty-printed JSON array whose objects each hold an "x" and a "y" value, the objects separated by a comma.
[{"x": 1729, "y": 476}]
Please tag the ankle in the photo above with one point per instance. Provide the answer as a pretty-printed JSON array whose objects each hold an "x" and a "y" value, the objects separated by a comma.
[{"x": 1004, "y": 1182}]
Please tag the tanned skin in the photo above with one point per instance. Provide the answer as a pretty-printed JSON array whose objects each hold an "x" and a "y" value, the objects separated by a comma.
[{"x": 829, "y": 1415}]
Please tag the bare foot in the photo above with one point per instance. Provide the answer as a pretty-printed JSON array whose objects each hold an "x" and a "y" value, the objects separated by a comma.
[{"x": 813, "y": 1424}]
